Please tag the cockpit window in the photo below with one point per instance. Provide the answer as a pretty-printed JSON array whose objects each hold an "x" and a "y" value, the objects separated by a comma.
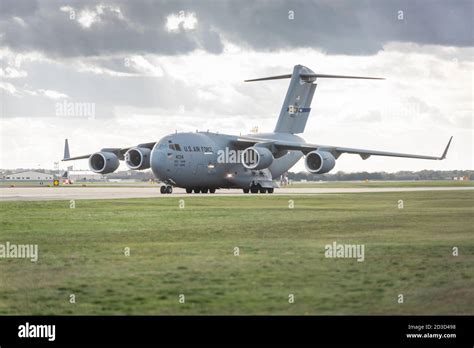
[{"x": 175, "y": 147}]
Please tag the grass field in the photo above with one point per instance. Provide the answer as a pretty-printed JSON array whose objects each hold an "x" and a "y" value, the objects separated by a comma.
[
  {"x": 190, "y": 251},
  {"x": 379, "y": 184}
]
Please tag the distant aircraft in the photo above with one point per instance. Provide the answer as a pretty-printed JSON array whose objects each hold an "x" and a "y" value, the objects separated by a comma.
[{"x": 202, "y": 162}]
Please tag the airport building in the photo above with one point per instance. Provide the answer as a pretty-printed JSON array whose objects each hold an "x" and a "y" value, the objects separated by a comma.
[
  {"x": 84, "y": 176},
  {"x": 28, "y": 176}
]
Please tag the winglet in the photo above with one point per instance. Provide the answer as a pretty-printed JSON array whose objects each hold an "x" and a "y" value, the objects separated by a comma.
[
  {"x": 66, "y": 150},
  {"x": 446, "y": 149}
]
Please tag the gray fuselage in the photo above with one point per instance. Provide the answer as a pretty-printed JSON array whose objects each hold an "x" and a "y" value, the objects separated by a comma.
[{"x": 212, "y": 160}]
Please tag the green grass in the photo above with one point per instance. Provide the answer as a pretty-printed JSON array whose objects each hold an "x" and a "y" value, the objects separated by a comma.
[
  {"x": 382, "y": 184},
  {"x": 190, "y": 251}
]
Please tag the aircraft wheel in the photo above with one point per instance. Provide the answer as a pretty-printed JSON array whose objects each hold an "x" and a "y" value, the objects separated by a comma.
[
  {"x": 246, "y": 190},
  {"x": 169, "y": 189},
  {"x": 163, "y": 189},
  {"x": 213, "y": 190},
  {"x": 254, "y": 189},
  {"x": 197, "y": 190},
  {"x": 263, "y": 190},
  {"x": 204, "y": 190},
  {"x": 189, "y": 190},
  {"x": 270, "y": 190}
]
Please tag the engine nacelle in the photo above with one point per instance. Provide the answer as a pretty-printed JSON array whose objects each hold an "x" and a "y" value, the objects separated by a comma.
[
  {"x": 319, "y": 162},
  {"x": 256, "y": 158},
  {"x": 103, "y": 162},
  {"x": 138, "y": 158}
]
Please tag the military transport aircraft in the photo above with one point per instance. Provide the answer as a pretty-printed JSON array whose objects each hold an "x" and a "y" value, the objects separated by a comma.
[{"x": 202, "y": 162}]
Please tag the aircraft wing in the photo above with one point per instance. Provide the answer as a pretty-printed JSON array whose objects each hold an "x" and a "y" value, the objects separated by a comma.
[
  {"x": 120, "y": 152},
  {"x": 76, "y": 158},
  {"x": 336, "y": 151}
]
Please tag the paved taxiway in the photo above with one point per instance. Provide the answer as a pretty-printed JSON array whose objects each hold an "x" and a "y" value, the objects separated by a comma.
[{"x": 68, "y": 193}]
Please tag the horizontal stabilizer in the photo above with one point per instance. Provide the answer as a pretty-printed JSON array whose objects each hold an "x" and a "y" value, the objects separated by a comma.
[
  {"x": 270, "y": 78},
  {"x": 340, "y": 77},
  {"x": 313, "y": 77}
]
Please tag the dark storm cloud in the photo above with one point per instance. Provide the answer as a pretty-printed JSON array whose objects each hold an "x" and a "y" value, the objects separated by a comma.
[
  {"x": 50, "y": 30},
  {"x": 345, "y": 27}
]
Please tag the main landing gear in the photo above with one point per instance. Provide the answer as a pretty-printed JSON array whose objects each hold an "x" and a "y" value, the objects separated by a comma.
[
  {"x": 166, "y": 189},
  {"x": 257, "y": 189},
  {"x": 201, "y": 190}
]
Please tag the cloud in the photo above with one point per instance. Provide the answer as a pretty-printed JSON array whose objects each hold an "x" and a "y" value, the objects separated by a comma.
[
  {"x": 150, "y": 68},
  {"x": 55, "y": 95},
  {"x": 425, "y": 98},
  {"x": 8, "y": 87},
  {"x": 182, "y": 21},
  {"x": 90, "y": 28}
]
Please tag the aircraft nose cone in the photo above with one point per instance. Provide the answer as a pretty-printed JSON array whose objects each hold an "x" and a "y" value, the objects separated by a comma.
[{"x": 159, "y": 163}]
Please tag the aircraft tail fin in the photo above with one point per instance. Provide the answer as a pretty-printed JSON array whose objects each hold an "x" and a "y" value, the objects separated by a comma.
[{"x": 297, "y": 105}]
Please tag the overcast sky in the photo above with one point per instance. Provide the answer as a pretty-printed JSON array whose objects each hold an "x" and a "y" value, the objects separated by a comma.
[{"x": 148, "y": 68}]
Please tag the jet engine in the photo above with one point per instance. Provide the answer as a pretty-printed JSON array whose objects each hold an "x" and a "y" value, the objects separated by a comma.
[
  {"x": 256, "y": 158},
  {"x": 319, "y": 162},
  {"x": 103, "y": 162},
  {"x": 138, "y": 158}
]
